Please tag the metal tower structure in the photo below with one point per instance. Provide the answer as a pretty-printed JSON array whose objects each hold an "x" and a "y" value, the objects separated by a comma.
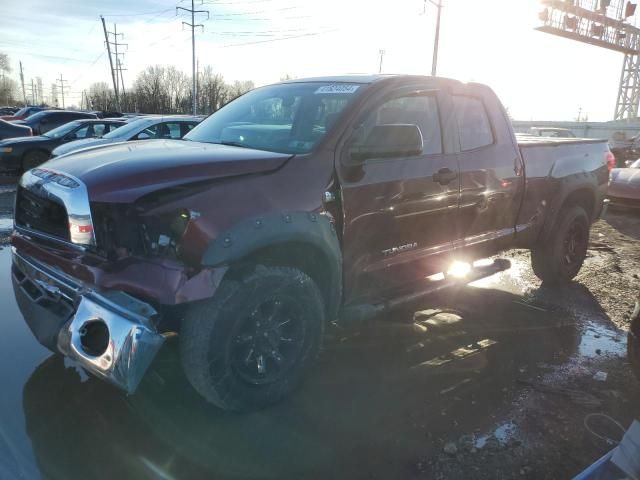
[{"x": 601, "y": 23}]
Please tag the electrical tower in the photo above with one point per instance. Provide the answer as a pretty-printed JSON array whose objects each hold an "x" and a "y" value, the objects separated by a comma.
[
  {"x": 62, "y": 82},
  {"x": 193, "y": 26},
  {"x": 24, "y": 92},
  {"x": 116, "y": 72},
  {"x": 601, "y": 23}
]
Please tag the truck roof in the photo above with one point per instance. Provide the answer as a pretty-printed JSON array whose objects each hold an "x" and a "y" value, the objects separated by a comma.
[{"x": 371, "y": 78}]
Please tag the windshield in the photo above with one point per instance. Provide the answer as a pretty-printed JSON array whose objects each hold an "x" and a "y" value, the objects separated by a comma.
[
  {"x": 62, "y": 130},
  {"x": 21, "y": 112},
  {"x": 285, "y": 118},
  {"x": 130, "y": 129}
]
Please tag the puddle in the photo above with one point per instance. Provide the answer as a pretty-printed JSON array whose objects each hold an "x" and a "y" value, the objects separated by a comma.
[
  {"x": 6, "y": 224},
  {"x": 512, "y": 280},
  {"x": 502, "y": 434},
  {"x": 599, "y": 340}
]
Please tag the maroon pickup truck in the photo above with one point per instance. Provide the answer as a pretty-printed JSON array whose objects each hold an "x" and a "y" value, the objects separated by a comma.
[{"x": 300, "y": 203}]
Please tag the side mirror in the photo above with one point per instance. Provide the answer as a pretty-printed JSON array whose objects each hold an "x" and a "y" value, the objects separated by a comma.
[
  {"x": 389, "y": 141},
  {"x": 143, "y": 136}
]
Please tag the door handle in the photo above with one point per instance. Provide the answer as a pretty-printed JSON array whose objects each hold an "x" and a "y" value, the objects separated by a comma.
[{"x": 445, "y": 176}]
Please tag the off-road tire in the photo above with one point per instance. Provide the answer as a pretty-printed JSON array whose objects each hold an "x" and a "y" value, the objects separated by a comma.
[
  {"x": 214, "y": 331},
  {"x": 33, "y": 159},
  {"x": 553, "y": 260}
]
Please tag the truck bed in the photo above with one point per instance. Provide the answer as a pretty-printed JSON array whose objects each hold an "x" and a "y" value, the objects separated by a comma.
[
  {"x": 532, "y": 141},
  {"x": 554, "y": 166}
]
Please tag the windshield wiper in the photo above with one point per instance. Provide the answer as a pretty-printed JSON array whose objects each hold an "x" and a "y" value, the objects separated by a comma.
[{"x": 232, "y": 144}]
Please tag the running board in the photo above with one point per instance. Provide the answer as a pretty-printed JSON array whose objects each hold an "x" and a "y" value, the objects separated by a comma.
[{"x": 362, "y": 312}]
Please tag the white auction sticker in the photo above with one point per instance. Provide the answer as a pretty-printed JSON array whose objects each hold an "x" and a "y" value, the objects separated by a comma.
[{"x": 337, "y": 88}]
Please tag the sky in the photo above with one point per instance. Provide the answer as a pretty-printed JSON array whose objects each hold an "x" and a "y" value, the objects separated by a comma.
[{"x": 538, "y": 76}]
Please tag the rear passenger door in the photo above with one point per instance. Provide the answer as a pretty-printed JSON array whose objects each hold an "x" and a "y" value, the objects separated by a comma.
[
  {"x": 491, "y": 174},
  {"x": 399, "y": 213}
]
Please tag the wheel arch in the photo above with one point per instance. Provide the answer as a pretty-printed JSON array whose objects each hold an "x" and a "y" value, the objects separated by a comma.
[
  {"x": 302, "y": 240},
  {"x": 580, "y": 192}
]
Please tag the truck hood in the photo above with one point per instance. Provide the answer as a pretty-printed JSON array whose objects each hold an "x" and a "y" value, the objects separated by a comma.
[
  {"x": 126, "y": 171},
  {"x": 84, "y": 143}
]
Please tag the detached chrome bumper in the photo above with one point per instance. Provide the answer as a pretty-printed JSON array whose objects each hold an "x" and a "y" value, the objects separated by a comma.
[{"x": 108, "y": 332}]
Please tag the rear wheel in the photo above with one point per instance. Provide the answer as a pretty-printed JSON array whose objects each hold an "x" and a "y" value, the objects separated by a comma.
[
  {"x": 34, "y": 158},
  {"x": 560, "y": 257},
  {"x": 251, "y": 344}
]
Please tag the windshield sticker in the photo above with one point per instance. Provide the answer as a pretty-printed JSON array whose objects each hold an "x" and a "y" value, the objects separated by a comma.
[{"x": 336, "y": 88}]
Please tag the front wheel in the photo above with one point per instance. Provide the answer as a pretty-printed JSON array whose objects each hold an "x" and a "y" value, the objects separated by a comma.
[
  {"x": 560, "y": 257},
  {"x": 251, "y": 344}
]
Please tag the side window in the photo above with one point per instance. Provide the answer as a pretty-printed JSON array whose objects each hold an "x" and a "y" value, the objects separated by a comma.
[
  {"x": 82, "y": 132},
  {"x": 99, "y": 129},
  {"x": 420, "y": 110},
  {"x": 186, "y": 128},
  {"x": 473, "y": 122},
  {"x": 149, "y": 132},
  {"x": 171, "y": 130}
]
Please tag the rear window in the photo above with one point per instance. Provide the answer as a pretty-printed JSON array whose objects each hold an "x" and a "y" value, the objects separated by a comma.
[{"x": 474, "y": 127}]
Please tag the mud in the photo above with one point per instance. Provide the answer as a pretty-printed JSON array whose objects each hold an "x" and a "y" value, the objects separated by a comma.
[{"x": 492, "y": 381}]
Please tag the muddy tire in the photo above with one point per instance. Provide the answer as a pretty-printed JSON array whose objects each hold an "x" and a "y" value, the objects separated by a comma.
[
  {"x": 33, "y": 159},
  {"x": 559, "y": 259},
  {"x": 251, "y": 344}
]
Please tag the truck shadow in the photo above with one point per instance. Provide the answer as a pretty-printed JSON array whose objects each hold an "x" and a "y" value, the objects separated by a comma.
[{"x": 381, "y": 397}]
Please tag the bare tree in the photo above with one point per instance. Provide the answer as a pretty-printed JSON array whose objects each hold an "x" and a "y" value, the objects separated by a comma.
[
  {"x": 8, "y": 87},
  {"x": 101, "y": 97}
]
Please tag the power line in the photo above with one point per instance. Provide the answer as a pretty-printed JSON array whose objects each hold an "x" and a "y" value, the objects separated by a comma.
[
  {"x": 311, "y": 34},
  {"x": 193, "y": 26}
]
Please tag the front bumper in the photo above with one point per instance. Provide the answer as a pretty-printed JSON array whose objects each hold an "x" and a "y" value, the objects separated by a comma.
[{"x": 109, "y": 333}]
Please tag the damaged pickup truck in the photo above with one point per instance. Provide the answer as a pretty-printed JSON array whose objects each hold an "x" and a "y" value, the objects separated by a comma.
[{"x": 297, "y": 204}]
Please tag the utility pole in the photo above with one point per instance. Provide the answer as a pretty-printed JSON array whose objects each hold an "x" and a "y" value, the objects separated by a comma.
[
  {"x": 62, "y": 80},
  {"x": 34, "y": 100},
  {"x": 436, "y": 43},
  {"x": 120, "y": 69},
  {"x": 24, "y": 93},
  {"x": 113, "y": 75},
  {"x": 381, "y": 52},
  {"x": 193, "y": 26}
]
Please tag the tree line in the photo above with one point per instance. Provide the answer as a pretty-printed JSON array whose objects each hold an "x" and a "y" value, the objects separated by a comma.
[
  {"x": 158, "y": 89},
  {"x": 166, "y": 90}
]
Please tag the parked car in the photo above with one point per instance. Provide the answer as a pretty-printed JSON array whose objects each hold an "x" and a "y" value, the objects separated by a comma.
[
  {"x": 18, "y": 155},
  {"x": 10, "y": 130},
  {"x": 144, "y": 128},
  {"x": 624, "y": 186},
  {"x": 8, "y": 110},
  {"x": 626, "y": 150},
  {"x": 42, "y": 122},
  {"x": 551, "y": 132},
  {"x": 22, "y": 113},
  {"x": 294, "y": 205}
]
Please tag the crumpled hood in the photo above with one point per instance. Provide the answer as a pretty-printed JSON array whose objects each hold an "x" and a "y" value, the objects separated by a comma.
[
  {"x": 83, "y": 143},
  {"x": 128, "y": 170},
  {"x": 626, "y": 175}
]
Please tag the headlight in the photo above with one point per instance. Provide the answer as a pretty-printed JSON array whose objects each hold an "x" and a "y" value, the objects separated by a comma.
[{"x": 6, "y": 149}]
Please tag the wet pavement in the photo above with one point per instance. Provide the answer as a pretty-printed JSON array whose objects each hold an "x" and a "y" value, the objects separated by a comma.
[{"x": 381, "y": 403}]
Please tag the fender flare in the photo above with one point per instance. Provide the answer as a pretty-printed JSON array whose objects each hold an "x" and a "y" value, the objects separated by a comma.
[
  {"x": 315, "y": 230},
  {"x": 566, "y": 187}
]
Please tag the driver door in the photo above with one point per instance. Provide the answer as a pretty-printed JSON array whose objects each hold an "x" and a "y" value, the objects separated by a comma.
[{"x": 399, "y": 212}]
